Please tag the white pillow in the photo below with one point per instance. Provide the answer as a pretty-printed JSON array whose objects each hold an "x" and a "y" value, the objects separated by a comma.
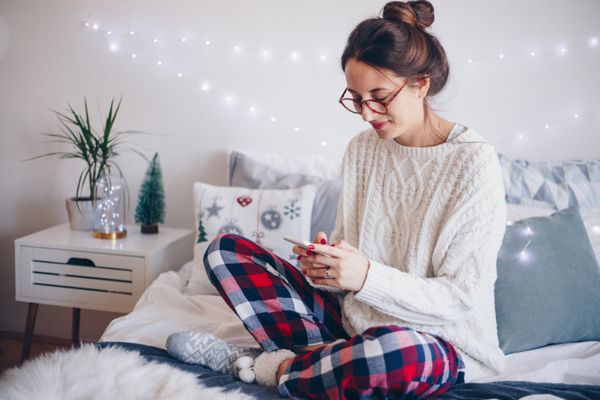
[
  {"x": 306, "y": 164},
  {"x": 590, "y": 217},
  {"x": 264, "y": 216}
]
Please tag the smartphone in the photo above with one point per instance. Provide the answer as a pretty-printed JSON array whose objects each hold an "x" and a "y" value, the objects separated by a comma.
[{"x": 302, "y": 243}]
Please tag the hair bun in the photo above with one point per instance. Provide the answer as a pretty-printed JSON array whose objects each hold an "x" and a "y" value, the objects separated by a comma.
[{"x": 418, "y": 14}]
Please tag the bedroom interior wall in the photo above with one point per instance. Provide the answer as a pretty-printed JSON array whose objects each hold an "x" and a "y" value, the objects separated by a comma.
[{"x": 48, "y": 58}]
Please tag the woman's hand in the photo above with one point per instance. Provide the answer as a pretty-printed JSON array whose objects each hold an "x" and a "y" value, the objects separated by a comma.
[{"x": 341, "y": 264}]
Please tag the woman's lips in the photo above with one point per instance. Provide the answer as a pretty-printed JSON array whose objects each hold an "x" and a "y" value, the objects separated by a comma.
[{"x": 378, "y": 125}]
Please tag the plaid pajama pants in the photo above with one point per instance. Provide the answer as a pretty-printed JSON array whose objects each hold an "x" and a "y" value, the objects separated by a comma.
[{"x": 282, "y": 310}]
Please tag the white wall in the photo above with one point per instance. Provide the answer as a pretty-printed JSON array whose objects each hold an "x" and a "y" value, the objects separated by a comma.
[{"x": 48, "y": 58}]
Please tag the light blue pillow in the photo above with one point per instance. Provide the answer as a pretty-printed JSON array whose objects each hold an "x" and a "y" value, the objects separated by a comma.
[
  {"x": 249, "y": 173},
  {"x": 548, "y": 285}
]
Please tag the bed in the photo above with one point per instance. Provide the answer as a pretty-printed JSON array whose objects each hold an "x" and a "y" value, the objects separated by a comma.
[
  {"x": 183, "y": 299},
  {"x": 570, "y": 370}
]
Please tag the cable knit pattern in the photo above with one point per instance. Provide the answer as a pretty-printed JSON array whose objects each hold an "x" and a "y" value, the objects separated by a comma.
[{"x": 431, "y": 220}]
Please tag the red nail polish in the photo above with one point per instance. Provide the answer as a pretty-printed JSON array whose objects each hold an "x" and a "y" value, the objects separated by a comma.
[
  {"x": 323, "y": 241},
  {"x": 311, "y": 246},
  {"x": 299, "y": 257},
  {"x": 333, "y": 244},
  {"x": 309, "y": 253}
]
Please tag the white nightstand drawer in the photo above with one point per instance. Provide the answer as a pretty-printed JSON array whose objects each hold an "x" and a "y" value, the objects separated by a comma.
[{"x": 80, "y": 279}]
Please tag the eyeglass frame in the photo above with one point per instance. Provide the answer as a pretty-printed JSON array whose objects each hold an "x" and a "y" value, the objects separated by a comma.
[{"x": 384, "y": 104}]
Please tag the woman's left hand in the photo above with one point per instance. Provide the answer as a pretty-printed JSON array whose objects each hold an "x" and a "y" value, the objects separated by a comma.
[{"x": 343, "y": 266}]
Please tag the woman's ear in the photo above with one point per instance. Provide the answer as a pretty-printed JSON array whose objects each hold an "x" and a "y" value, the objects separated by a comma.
[{"x": 424, "y": 87}]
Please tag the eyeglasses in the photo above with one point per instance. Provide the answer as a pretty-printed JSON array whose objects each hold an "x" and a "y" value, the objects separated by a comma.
[{"x": 377, "y": 106}]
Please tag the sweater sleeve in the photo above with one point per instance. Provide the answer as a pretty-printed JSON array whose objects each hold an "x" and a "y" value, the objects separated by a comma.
[{"x": 463, "y": 260}]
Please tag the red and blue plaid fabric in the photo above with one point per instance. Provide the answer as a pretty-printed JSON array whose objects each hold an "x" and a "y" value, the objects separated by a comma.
[{"x": 281, "y": 310}]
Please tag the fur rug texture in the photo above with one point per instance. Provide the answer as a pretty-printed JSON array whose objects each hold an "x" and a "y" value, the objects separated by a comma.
[{"x": 110, "y": 373}]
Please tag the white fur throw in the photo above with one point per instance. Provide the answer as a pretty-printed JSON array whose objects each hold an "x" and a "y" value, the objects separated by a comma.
[{"x": 109, "y": 373}]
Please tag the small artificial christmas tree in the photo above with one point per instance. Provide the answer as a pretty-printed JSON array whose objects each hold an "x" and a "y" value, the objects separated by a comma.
[{"x": 150, "y": 208}]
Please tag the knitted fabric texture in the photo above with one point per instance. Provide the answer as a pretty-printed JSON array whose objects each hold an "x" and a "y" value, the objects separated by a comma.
[{"x": 431, "y": 220}]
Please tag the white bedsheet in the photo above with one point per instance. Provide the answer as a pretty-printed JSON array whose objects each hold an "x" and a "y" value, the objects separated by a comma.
[{"x": 163, "y": 308}]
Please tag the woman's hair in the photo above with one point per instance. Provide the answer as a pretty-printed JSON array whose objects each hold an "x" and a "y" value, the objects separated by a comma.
[{"x": 398, "y": 41}]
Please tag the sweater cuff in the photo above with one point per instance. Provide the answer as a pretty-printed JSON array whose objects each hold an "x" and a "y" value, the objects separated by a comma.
[{"x": 376, "y": 287}]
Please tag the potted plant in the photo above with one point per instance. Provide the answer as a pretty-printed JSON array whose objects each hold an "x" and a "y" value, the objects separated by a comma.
[{"x": 96, "y": 149}]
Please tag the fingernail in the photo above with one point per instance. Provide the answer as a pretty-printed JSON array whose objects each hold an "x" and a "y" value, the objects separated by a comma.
[
  {"x": 333, "y": 244},
  {"x": 309, "y": 253},
  {"x": 311, "y": 246},
  {"x": 323, "y": 241},
  {"x": 299, "y": 257}
]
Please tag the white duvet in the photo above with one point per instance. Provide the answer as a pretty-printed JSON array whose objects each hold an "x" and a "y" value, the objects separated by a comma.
[{"x": 164, "y": 308}]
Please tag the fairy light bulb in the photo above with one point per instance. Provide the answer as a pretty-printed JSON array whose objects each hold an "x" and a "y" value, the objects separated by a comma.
[
  {"x": 179, "y": 75},
  {"x": 547, "y": 126},
  {"x": 229, "y": 99},
  {"x": 96, "y": 27},
  {"x": 521, "y": 136},
  {"x": 207, "y": 43},
  {"x": 87, "y": 24},
  {"x": 114, "y": 47},
  {"x": 205, "y": 86},
  {"x": 596, "y": 229},
  {"x": 133, "y": 55},
  {"x": 159, "y": 63},
  {"x": 470, "y": 61},
  {"x": 594, "y": 42},
  {"x": 273, "y": 119},
  {"x": 132, "y": 33},
  {"x": 501, "y": 56},
  {"x": 252, "y": 109},
  {"x": 323, "y": 143},
  {"x": 295, "y": 56},
  {"x": 575, "y": 116},
  {"x": 183, "y": 39},
  {"x": 323, "y": 57},
  {"x": 108, "y": 33},
  {"x": 532, "y": 54},
  {"x": 296, "y": 129},
  {"x": 266, "y": 53},
  {"x": 155, "y": 40}
]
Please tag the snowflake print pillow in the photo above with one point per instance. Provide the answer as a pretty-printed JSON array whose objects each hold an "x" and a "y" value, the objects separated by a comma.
[{"x": 264, "y": 216}]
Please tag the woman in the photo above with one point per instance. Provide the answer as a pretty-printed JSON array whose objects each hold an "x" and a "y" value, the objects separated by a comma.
[{"x": 400, "y": 301}]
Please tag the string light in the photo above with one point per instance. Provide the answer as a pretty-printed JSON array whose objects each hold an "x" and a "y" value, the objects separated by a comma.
[
  {"x": 524, "y": 255},
  {"x": 295, "y": 56}
]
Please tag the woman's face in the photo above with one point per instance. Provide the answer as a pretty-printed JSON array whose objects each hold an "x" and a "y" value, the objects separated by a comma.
[{"x": 405, "y": 114}]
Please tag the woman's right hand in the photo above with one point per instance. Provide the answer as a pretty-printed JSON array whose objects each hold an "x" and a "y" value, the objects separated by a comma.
[{"x": 320, "y": 238}]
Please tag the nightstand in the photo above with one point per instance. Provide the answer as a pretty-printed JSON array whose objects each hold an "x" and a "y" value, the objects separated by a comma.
[{"x": 69, "y": 268}]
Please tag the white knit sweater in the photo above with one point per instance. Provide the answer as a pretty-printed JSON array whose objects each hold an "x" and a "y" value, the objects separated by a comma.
[{"x": 431, "y": 220}]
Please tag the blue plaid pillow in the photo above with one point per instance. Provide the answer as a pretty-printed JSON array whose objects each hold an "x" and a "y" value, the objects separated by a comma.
[{"x": 552, "y": 184}]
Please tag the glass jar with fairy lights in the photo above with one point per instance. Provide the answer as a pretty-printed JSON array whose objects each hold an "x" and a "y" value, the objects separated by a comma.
[{"x": 110, "y": 208}]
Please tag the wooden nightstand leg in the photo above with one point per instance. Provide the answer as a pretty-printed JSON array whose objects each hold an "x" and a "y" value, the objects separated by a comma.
[
  {"x": 75, "y": 328},
  {"x": 31, "y": 314}
]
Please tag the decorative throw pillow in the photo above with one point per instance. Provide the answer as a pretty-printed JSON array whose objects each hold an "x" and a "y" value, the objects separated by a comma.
[
  {"x": 591, "y": 220},
  {"x": 553, "y": 184},
  {"x": 547, "y": 286},
  {"x": 264, "y": 216},
  {"x": 247, "y": 171}
]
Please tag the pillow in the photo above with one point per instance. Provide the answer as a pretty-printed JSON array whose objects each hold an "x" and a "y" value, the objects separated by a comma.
[
  {"x": 264, "y": 216},
  {"x": 552, "y": 184},
  {"x": 591, "y": 220},
  {"x": 246, "y": 171},
  {"x": 306, "y": 164},
  {"x": 547, "y": 286}
]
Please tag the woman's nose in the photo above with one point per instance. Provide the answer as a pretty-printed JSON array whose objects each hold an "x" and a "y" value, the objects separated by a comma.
[{"x": 366, "y": 113}]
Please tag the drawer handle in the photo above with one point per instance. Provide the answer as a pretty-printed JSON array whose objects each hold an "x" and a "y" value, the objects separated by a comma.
[{"x": 84, "y": 262}]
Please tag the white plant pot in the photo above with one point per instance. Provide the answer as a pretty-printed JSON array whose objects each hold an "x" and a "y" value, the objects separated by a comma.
[{"x": 82, "y": 218}]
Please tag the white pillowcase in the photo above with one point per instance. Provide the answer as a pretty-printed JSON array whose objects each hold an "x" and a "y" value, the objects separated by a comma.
[
  {"x": 590, "y": 217},
  {"x": 306, "y": 164},
  {"x": 264, "y": 216}
]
